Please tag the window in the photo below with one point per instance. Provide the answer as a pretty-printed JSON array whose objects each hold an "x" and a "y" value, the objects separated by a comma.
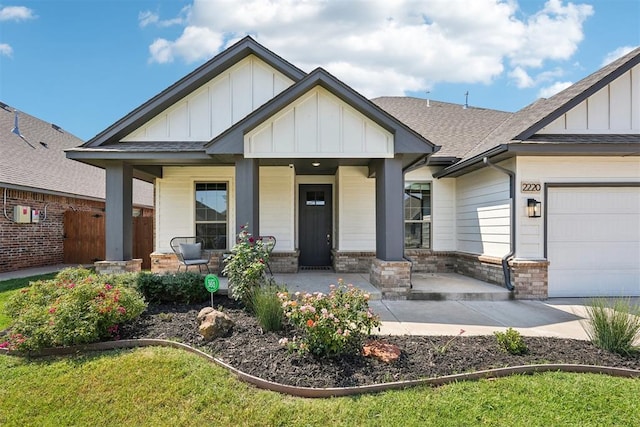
[
  {"x": 211, "y": 214},
  {"x": 417, "y": 215}
]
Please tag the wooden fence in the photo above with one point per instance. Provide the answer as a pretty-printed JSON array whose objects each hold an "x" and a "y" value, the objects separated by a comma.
[{"x": 84, "y": 238}]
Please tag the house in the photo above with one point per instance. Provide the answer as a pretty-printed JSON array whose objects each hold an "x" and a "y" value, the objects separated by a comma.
[
  {"x": 38, "y": 184},
  {"x": 544, "y": 201}
]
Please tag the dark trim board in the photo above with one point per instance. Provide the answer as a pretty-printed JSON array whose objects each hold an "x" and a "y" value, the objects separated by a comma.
[{"x": 548, "y": 185}]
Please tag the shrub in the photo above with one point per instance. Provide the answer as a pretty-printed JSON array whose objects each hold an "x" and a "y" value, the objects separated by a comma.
[
  {"x": 330, "y": 325},
  {"x": 245, "y": 266},
  {"x": 186, "y": 287},
  {"x": 267, "y": 307},
  {"x": 511, "y": 341},
  {"x": 63, "y": 312},
  {"x": 614, "y": 327}
]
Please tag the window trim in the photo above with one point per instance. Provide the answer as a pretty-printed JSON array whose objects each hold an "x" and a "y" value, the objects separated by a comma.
[
  {"x": 408, "y": 183},
  {"x": 195, "y": 215}
]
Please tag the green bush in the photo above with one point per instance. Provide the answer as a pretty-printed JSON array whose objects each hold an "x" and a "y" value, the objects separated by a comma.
[
  {"x": 72, "y": 309},
  {"x": 268, "y": 307},
  {"x": 613, "y": 327},
  {"x": 245, "y": 267},
  {"x": 329, "y": 325},
  {"x": 186, "y": 287},
  {"x": 511, "y": 341}
]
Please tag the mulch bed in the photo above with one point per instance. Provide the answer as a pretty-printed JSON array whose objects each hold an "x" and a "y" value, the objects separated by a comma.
[{"x": 250, "y": 350}]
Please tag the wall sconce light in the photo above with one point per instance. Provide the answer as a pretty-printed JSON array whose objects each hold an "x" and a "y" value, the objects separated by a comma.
[{"x": 533, "y": 208}]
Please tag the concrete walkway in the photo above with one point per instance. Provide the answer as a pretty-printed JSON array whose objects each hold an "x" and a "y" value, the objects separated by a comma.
[{"x": 553, "y": 317}]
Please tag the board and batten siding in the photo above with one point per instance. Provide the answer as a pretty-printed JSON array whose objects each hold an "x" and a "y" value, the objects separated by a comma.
[
  {"x": 319, "y": 124},
  {"x": 217, "y": 105},
  {"x": 613, "y": 109},
  {"x": 277, "y": 206},
  {"x": 443, "y": 207},
  {"x": 483, "y": 213},
  {"x": 530, "y": 231},
  {"x": 356, "y": 209},
  {"x": 175, "y": 201}
]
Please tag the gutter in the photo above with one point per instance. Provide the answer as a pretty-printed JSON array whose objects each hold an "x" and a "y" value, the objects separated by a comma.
[
  {"x": 460, "y": 166},
  {"x": 512, "y": 245}
]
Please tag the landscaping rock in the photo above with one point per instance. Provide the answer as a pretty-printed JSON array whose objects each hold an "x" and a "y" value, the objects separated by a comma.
[
  {"x": 203, "y": 313},
  {"x": 382, "y": 351},
  {"x": 215, "y": 324}
]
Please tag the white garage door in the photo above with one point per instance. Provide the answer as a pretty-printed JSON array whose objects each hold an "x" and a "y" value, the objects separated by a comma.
[{"x": 593, "y": 241}]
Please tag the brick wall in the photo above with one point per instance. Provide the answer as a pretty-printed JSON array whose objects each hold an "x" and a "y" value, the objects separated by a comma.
[
  {"x": 280, "y": 262},
  {"x": 487, "y": 269},
  {"x": 427, "y": 261},
  {"x": 391, "y": 277},
  {"x": 530, "y": 279},
  {"x": 352, "y": 262},
  {"x": 38, "y": 244}
]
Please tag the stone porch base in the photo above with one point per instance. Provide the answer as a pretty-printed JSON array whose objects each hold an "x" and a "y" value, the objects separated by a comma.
[
  {"x": 118, "y": 267},
  {"x": 393, "y": 278},
  {"x": 280, "y": 262}
]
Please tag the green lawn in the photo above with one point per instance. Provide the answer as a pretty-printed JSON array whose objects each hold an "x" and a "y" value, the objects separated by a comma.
[{"x": 162, "y": 386}]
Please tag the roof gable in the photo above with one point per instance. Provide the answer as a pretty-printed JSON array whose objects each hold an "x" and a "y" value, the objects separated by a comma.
[
  {"x": 190, "y": 83},
  {"x": 406, "y": 140}
]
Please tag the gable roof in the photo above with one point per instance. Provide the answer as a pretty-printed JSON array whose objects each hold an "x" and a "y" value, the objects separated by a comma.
[
  {"x": 407, "y": 140},
  {"x": 39, "y": 163},
  {"x": 191, "y": 82},
  {"x": 455, "y": 128},
  {"x": 522, "y": 125}
]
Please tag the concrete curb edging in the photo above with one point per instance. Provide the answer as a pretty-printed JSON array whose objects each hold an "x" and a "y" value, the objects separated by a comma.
[{"x": 311, "y": 392}]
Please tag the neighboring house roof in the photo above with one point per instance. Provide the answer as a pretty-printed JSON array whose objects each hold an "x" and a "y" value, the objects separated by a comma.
[
  {"x": 37, "y": 162},
  {"x": 525, "y": 123},
  {"x": 455, "y": 128}
]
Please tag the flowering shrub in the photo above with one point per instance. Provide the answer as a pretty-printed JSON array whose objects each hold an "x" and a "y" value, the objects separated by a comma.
[
  {"x": 330, "y": 325},
  {"x": 245, "y": 266},
  {"x": 62, "y": 312}
]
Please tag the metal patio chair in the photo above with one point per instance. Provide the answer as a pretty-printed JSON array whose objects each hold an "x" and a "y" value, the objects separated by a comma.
[{"x": 189, "y": 252}]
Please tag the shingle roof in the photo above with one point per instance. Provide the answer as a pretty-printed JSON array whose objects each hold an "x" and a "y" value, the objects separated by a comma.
[
  {"x": 45, "y": 166},
  {"x": 455, "y": 128},
  {"x": 540, "y": 113}
]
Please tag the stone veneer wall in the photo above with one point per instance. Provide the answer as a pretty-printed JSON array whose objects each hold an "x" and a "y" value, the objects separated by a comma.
[
  {"x": 487, "y": 269},
  {"x": 393, "y": 278},
  {"x": 352, "y": 262},
  {"x": 118, "y": 267},
  {"x": 427, "y": 261},
  {"x": 280, "y": 262},
  {"x": 530, "y": 278}
]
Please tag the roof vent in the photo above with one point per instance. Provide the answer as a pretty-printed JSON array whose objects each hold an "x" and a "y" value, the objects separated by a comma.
[
  {"x": 466, "y": 100},
  {"x": 4, "y": 106},
  {"x": 56, "y": 127},
  {"x": 44, "y": 144},
  {"x": 16, "y": 129}
]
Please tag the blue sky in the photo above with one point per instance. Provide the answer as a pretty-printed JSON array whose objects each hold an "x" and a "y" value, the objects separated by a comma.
[{"x": 85, "y": 64}]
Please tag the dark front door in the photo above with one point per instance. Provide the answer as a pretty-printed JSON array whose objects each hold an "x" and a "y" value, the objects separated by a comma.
[{"x": 315, "y": 224}]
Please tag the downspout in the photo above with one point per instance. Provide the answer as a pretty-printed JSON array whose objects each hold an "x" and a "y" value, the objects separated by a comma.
[{"x": 512, "y": 246}]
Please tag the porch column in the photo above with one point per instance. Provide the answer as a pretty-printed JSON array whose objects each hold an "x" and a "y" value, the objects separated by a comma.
[
  {"x": 118, "y": 212},
  {"x": 390, "y": 272},
  {"x": 389, "y": 218},
  {"x": 248, "y": 195}
]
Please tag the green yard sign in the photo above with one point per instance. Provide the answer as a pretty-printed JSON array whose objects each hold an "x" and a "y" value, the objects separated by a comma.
[{"x": 212, "y": 283}]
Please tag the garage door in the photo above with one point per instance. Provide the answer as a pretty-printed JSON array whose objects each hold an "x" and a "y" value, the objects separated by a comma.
[{"x": 593, "y": 241}]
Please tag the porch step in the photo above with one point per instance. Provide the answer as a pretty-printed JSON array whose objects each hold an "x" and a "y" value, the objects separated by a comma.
[{"x": 454, "y": 287}]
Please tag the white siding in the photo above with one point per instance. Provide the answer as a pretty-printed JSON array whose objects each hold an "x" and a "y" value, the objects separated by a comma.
[
  {"x": 218, "y": 104},
  {"x": 319, "y": 124},
  {"x": 613, "y": 109},
  {"x": 443, "y": 208},
  {"x": 483, "y": 212},
  {"x": 175, "y": 201},
  {"x": 277, "y": 212},
  {"x": 530, "y": 231},
  {"x": 356, "y": 206}
]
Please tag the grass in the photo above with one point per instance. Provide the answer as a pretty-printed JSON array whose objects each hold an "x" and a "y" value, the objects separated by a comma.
[
  {"x": 162, "y": 386},
  {"x": 10, "y": 287}
]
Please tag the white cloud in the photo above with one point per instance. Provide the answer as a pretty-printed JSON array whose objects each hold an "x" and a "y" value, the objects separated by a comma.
[
  {"x": 384, "y": 47},
  {"x": 619, "y": 52},
  {"x": 549, "y": 91},
  {"x": 151, "y": 18},
  {"x": 6, "y": 50},
  {"x": 16, "y": 13}
]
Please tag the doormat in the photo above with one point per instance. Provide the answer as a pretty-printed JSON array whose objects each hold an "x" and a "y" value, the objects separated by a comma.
[{"x": 315, "y": 268}]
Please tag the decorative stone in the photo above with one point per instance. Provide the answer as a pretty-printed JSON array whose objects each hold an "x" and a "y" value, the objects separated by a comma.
[
  {"x": 203, "y": 313},
  {"x": 382, "y": 351},
  {"x": 214, "y": 324}
]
